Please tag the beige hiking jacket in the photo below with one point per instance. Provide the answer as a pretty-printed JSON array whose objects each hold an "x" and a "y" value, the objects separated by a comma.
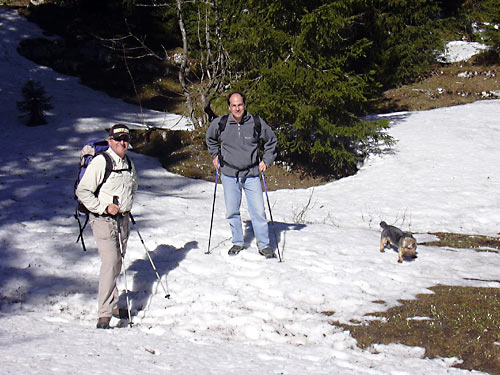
[{"x": 121, "y": 184}]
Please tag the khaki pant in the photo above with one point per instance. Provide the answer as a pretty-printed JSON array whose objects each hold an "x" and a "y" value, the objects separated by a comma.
[{"x": 106, "y": 237}]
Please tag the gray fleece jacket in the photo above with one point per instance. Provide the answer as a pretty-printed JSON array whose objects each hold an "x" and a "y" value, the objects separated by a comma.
[{"x": 238, "y": 146}]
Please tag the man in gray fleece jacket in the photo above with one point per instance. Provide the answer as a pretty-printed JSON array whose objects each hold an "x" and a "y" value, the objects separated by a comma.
[{"x": 235, "y": 152}]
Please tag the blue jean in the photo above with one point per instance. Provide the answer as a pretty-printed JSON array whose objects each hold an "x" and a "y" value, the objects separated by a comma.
[{"x": 232, "y": 197}]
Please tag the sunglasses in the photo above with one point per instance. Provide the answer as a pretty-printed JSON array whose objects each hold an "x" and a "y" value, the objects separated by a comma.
[{"x": 120, "y": 138}]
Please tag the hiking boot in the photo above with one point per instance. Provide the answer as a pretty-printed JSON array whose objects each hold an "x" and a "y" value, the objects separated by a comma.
[
  {"x": 235, "y": 250},
  {"x": 103, "y": 323},
  {"x": 267, "y": 252},
  {"x": 120, "y": 313}
]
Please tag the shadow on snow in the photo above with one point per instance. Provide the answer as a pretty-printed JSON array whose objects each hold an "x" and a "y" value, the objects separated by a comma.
[
  {"x": 277, "y": 233},
  {"x": 145, "y": 281}
]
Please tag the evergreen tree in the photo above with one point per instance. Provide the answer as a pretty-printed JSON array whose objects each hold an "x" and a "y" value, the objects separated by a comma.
[
  {"x": 312, "y": 67},
  {"x": 406, "y": 39},
  {"x": 35, "y": 103},
  {"x": 486, "y": 15},
  {"x": 310, "y": 80}
]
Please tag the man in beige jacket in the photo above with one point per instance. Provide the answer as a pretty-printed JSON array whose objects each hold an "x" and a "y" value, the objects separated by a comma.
[{"x": 109, "y": 209}]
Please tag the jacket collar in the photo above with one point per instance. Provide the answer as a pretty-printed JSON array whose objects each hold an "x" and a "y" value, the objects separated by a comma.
[
  {"x": 246, "y": 116},
  {"x": 116, "y": 158}
]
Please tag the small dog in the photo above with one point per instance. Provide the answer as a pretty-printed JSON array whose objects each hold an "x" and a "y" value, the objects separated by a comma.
[{"x": 405, "y": 242}]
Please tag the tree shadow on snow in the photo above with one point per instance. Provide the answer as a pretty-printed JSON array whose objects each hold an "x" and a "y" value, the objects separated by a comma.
[
  {"x": 144, "y": 282},
  {"x": 394, "y": 119},
  {"x": 277, "y": 232},
  {"x": 26, "y": 287}
]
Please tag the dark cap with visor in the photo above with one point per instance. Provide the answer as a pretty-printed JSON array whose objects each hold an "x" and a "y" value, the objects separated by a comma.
[{"x": 119, "y": 131}]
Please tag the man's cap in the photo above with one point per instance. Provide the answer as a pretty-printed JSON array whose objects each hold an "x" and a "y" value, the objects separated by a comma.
[{"x": 119, "y": 129}]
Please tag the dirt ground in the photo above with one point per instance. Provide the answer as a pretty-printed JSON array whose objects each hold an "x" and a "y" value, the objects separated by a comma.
[{"x": 185, "y": 154}]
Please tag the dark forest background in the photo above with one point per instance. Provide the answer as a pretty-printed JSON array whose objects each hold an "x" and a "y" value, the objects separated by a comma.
[{"x": 312, "y": 69}]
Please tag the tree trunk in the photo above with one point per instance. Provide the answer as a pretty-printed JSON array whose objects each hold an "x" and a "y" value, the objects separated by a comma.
[{"x": 183, "y": 68}]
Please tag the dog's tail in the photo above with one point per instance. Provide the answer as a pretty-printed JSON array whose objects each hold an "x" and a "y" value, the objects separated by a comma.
[{"x": 383, "y": 224}]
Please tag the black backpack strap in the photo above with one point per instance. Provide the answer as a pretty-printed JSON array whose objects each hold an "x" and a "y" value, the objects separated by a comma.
[
  {"x": 107, "y": 172},
  {"x": 257, "y": 126},
  {"x": 129, "y": 162},
  {"x": 222, "y": 124}
]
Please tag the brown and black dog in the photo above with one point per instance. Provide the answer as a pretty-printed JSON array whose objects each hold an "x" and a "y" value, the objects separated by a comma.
[{"x": 405, "y": 242}]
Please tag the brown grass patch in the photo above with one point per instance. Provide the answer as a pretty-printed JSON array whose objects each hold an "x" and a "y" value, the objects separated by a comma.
[
  {"x": 450, "y": 85},
  {"x": 465, "y": 241},
  {"x": 462, "y": 322},
  {"x": 185, "y": 153}
]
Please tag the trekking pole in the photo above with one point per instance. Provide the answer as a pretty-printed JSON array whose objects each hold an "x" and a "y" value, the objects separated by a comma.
[
  {"x": 167, "y": 294},
  {"x": 271, "y": 215},
  {"x": 82, "y": 227},
  {"x": 213, "y": 207},
  {"x": 115, "y": 201}
]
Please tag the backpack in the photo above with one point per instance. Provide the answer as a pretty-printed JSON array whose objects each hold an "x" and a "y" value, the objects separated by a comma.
[{"x": 88, "y": 152}]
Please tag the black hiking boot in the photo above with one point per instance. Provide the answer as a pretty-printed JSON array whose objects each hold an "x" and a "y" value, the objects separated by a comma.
[
  {"x": 103, "y": 323},
  {"x": 120, "y": 313},
  {"x": 235, "y": 250},
  {"x": 267, "y": 252}
]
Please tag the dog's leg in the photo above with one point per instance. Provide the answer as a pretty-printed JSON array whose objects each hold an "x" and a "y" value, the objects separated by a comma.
[
  {"x": 383, "y": 242},
  {"x": 400, "y": 255}
]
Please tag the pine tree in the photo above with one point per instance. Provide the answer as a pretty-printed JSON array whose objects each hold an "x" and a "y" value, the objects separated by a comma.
[
  {"x": 310, "y": 82},
  {"x": 35, "y": 103},
  {"x": 310, "y": 68},
  {"x": 485, "y": 14}
]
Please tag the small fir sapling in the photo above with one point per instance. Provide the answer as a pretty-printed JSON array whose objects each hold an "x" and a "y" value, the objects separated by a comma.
[{"x": 34, "y": 104}]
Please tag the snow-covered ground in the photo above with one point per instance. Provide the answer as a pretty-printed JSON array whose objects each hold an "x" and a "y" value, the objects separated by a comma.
[
  {"x": 229, "y": 315},
  {"x": 459, "y": 50}
]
